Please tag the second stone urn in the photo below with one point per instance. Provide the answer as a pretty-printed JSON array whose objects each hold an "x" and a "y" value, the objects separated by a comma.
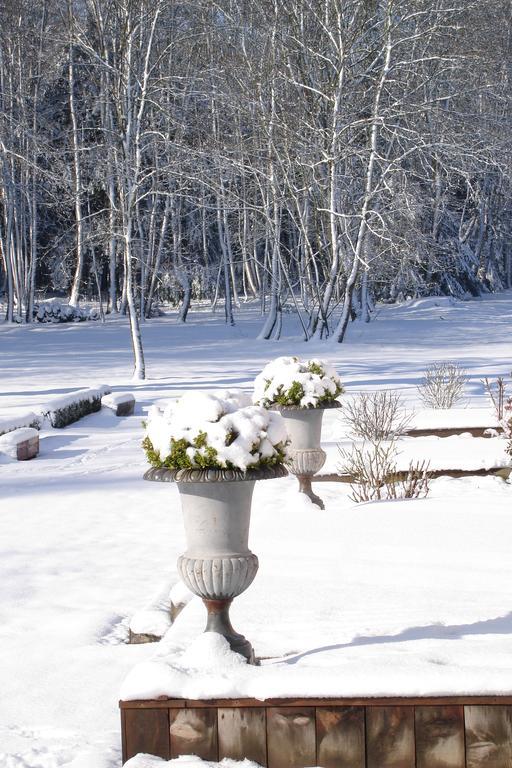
[
  {"x": 218, "y": 564},
  {"x": 305, "y": 454}
]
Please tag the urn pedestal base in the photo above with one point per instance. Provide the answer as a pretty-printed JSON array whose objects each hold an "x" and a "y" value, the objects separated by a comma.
[
  {"x": 220, "y": 622},
  {"x": 304, "y": 464},
  {"x": 306, "y": 488},
  {"x": 217, "y": 581}
]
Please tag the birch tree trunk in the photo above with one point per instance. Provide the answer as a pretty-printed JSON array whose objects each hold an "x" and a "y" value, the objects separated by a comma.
[
  {"x": 74, "y": 296},
  {"x": 342, "y": 324}
]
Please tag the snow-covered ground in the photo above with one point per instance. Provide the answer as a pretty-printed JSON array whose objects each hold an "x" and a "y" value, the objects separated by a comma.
[
  {"x": 398, "y": 597},
  {"x": 184, "y": 761}
]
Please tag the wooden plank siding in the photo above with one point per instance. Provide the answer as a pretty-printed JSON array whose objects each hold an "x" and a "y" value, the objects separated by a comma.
[
  {"x": 194, "y": 732},
  {"x": 434, "y": 732},
  {"x": 488, "y": 736},
  {"x": 291, "y": 737},
  {"x": 440, "y": 737},
  {"x": 390, "y": 737},
  {"x": 243, "y": 733},
  {"x": 146, "y": 730},
  {"x": 340, "y": 737}
]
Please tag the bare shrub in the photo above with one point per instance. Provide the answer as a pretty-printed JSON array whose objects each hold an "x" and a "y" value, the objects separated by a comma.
[
  {"x": 442, "y": 385},
  {"x": 497, "y": 396},
  {"x": 376, "y": 416},
  {"x": 373, "y": 469}
]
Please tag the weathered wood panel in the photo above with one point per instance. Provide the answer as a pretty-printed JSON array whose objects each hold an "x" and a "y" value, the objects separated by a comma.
[
  {"x": 194, "y": 732},
  {"x": 439, "y": 737},
  {"x": 488, "y": 736},
  {"x": 243, "y": 734},
  {"x": 390, "y": 737},
  {"x": 436, "y": 732},
  {"x": 146, "y": 730},
  {"x": 291, "y": 737},
  {"x": 340, "y": 735}
]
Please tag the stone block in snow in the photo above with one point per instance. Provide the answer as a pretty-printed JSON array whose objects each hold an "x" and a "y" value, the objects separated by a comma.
[
  {"x": 122, "y": 403},
  {"x": 20, "y": 444}
]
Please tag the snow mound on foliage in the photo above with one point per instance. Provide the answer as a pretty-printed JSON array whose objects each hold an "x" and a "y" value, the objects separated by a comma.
[
  {"x": 291, "y": 381},
  {"x": 55, "y": 311},
  {"x": 20, "y": 420},
  {"x": 78, "y": 396},
  {"x": 242, "y": 435}
]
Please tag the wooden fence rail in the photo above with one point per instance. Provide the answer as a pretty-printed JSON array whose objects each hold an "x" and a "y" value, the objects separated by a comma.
[{"x": 440, "y": 732}]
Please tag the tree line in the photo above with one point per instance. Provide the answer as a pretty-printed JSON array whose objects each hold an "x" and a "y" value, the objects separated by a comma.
[{"x": 316, "y": 155}]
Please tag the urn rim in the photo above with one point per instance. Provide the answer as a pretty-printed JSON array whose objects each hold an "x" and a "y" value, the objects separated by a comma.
[
  {"x": 321, "y": 407},
  {"x": 214, "y": 475}
]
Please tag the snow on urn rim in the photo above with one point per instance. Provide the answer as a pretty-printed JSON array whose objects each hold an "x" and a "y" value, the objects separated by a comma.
[{"x": 289, "y": 383}]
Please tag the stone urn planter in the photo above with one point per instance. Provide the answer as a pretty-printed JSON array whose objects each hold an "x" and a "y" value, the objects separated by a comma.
[
  {"x": 305, "y": 454},
  {"x": 300, "y": 390},
  {"x": 218, "y": 565}
]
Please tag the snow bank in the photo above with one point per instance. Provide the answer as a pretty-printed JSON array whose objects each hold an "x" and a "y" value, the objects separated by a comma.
[
  {"x": 454, "y": 418},
  {"x": 154, "y": 621},
  {"x": 156, "y": 617},
  {"x": 291, "y": 381},
  {"x": 180, "y": 594},
  {"x": 211, "y": 651},
  {"x": 185, "y": 761},
  {"x": 222, "y": 430},
  {"x": 20, "y": 420},
  {"x": 451, "y": 453},
  {"x": 432, "y": 302}
]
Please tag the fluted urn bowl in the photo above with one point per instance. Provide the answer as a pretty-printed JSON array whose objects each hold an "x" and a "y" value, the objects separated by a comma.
[
  {"x": 305, "y": 454},
  {"x": 218, "y": 564}
]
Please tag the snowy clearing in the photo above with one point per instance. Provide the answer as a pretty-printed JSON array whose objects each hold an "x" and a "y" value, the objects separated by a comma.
[{"x": 397, "y": 597}]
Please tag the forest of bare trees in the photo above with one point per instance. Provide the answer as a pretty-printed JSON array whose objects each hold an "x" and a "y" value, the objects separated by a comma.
[{"x": 316, "y": 155}]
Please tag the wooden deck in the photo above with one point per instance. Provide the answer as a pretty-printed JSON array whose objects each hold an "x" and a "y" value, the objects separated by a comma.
[{"x": 440, "y": 732}]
